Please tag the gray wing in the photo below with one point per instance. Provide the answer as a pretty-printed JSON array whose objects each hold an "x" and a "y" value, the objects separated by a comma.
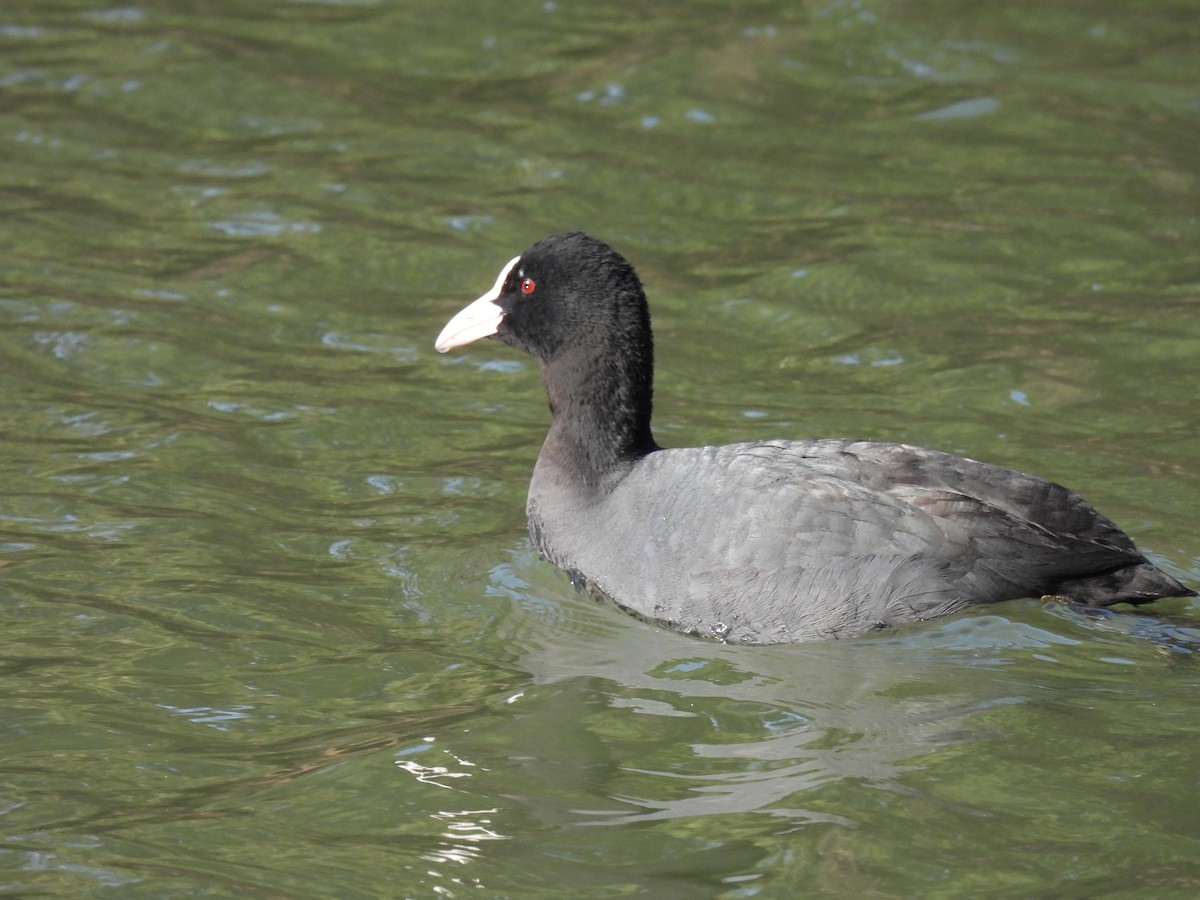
[{"x": 877, "y": 533}]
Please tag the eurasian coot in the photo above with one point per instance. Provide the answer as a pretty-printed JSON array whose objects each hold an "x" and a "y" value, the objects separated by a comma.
[{"x": 766, "y": 541}]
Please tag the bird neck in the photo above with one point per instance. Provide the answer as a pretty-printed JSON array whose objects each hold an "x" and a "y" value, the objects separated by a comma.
[{"x": 600, "y": 409}]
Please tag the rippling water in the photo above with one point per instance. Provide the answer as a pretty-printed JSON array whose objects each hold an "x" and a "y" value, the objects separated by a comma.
[{"x": 271, "y": 623}]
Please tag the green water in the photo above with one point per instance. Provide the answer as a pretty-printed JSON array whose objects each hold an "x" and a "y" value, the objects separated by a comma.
[{"x": 271, "y": 626}]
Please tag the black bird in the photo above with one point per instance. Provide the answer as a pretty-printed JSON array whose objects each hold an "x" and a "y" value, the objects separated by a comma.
[{"x": 766, "y": 541}]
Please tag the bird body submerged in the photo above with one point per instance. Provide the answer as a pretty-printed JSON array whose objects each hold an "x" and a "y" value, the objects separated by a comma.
[
  {"x": 766, "y": 541},
  {"x": 827, "y": 538}
]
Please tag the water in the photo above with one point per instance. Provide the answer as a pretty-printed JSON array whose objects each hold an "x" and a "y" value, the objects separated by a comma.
[{"x": 271, "y": 624}]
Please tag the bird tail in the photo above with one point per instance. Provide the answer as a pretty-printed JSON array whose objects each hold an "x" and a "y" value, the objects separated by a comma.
[{"x": 1141, "y": 582}]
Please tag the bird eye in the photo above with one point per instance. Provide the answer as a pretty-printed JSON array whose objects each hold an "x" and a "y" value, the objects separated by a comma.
[{"x": 528, "y": 286}]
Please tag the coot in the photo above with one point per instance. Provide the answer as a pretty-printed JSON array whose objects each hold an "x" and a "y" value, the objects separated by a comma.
[{"x": 766, "y": 541}]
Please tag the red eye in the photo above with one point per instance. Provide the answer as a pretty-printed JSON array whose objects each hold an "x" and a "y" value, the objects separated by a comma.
[{"x": 527, "y": 286}]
